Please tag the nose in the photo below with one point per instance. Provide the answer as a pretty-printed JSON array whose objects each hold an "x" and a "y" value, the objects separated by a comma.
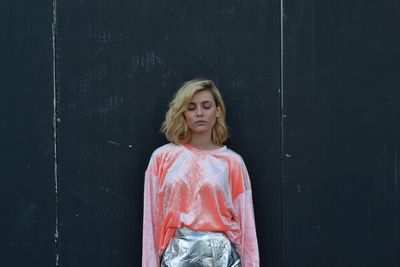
[{"x": 199, "y": 112}]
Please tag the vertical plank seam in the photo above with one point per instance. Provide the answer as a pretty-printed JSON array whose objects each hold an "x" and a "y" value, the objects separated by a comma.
[
  {"x": 282, "y": 116},
  {"x": 54, "y": 35}
]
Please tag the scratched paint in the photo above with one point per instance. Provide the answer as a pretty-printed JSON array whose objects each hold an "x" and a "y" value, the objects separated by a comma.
[
  {"x": 56, "y": 120},
  {"x": 385, "y": 191}
]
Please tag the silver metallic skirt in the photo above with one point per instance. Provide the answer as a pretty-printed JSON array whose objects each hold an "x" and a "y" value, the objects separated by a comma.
[{"x": 189, "y": 248}]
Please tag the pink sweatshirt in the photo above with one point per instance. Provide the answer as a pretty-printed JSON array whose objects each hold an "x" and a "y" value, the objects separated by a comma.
[{"x": 206, "y": 190}]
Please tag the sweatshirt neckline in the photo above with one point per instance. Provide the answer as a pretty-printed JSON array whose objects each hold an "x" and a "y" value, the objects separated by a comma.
[{"x": 204, "y": 151}]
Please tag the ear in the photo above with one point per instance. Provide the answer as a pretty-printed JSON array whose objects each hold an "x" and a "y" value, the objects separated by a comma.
[{"x": 218, "y": 112}]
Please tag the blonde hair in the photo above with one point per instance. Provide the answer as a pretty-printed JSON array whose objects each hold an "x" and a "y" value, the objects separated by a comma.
[{"x": 175, "y": 127}]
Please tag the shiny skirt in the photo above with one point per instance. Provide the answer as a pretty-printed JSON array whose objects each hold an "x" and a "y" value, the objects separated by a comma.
[{"x": 189, "y": 248}]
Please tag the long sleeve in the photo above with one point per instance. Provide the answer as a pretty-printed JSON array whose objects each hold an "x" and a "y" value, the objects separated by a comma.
[
  {"x": 150, "y": 256},
  {"x": 245, "y": 213}
]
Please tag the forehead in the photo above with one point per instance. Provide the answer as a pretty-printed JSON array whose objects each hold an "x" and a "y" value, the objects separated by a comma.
[{"x": 201, "y": 96}]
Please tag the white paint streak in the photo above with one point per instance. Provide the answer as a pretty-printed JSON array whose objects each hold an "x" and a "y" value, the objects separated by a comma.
[
  {"x": 113, "y": 142},
  {"x": 396, "y": 182},
  {"x": 55, "y": 120}
]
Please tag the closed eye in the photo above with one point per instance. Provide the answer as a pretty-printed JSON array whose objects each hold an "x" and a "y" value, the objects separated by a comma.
[{"x": 191, "y": 107}]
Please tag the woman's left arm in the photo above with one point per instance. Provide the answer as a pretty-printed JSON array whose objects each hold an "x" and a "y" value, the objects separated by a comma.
[{"x": 244, "y": 207}]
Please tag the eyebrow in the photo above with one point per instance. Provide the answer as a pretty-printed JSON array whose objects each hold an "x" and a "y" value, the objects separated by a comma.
[{"x": 204, "y": 102}]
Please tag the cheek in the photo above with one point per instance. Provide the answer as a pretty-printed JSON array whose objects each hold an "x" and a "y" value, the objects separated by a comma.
[
  {"x": 188, "y": 117},
  {"x": 214, "y": 114}
]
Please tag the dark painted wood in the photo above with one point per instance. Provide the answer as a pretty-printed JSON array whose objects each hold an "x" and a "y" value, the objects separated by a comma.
[
  {"x": 341, "y": 133},
  {"x": 27, "y": 205},
  {"x": 119, "y": 62}
]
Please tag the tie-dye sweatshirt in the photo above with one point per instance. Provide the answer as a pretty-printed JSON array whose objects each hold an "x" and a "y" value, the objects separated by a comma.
[{"x": 205, "y": 190}]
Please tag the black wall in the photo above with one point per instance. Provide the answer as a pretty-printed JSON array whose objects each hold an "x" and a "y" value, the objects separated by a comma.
[
  {"x": 27, "y": 206},
  {"x": 341, "y": 95},
  {"x": 313, "y": 100}
]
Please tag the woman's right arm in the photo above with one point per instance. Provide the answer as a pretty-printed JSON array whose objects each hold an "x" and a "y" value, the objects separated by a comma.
[{"x": 150, "y": 257}]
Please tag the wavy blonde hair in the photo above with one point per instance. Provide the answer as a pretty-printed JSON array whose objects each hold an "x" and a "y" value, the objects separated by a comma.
[{"x": 175, "y": 127}]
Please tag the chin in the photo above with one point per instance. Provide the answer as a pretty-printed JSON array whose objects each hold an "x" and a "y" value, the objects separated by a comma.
[{"x": 200, "y": 130}]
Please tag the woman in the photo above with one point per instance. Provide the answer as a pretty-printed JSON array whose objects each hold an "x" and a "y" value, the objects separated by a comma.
[{"x": 198, "y": 208}]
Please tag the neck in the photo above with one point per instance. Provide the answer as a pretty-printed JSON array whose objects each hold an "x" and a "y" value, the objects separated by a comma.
[{"x": 202, "y": 141}]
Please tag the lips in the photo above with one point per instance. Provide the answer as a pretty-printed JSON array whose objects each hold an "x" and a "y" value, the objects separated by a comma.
[{"x": 200, "y": 122}]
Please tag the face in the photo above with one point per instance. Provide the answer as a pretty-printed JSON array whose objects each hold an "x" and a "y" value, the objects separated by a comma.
[{"x": 202, "y": 112}]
